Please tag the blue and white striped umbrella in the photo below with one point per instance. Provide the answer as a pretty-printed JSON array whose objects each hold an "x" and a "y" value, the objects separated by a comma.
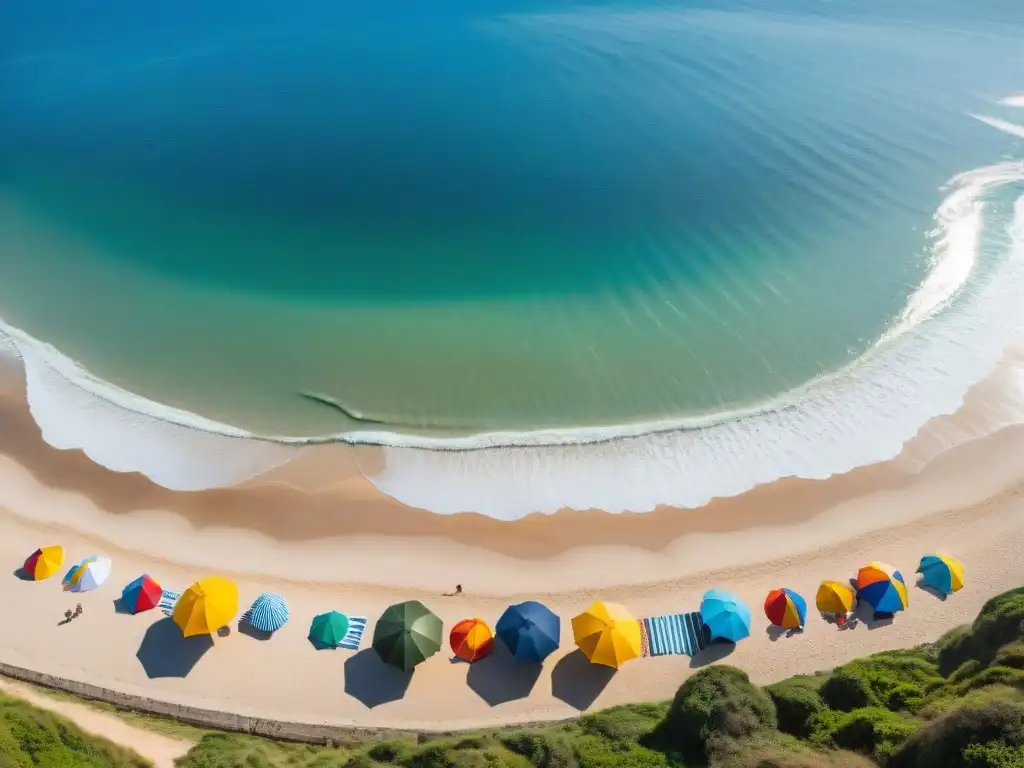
[{"x": 269, "y": 612}]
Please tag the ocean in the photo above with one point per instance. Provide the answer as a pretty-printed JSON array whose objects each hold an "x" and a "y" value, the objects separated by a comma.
[{"x": 611, "y": 254}]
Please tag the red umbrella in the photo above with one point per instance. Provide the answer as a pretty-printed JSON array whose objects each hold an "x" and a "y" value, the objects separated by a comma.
[{"x": 142, "y": 594}]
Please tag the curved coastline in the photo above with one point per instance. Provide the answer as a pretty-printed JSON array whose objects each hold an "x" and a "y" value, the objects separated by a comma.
[{"x": 816, "y": 430}]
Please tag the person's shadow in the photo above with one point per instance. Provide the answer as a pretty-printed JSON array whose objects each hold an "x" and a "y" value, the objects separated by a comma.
[
  {"x": 777, "y": 633},
  {"x": 499, "y": 678},
  {"x": 372, "y": 682},
  {"x": 577, "y": 682},
  {"x": 164, "y": 652}
]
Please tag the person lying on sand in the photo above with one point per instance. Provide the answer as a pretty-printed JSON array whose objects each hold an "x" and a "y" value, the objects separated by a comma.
[{"x": 458, "y": 591}]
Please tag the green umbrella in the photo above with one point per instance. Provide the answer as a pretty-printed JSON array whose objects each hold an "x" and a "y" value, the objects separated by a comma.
[
  {"x": 407, "y": 634},
  {"x": 328, "y": 629}
]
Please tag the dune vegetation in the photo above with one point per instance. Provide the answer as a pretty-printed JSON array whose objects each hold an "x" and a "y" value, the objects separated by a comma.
[
  {"x": 31, "y": 737},
  {"x": 956, "y": 703}
]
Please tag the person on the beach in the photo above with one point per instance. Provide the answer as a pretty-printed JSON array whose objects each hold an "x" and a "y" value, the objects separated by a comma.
[{"x": 458, "y": 589}]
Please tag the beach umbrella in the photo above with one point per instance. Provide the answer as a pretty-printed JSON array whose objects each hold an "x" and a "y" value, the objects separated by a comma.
[
  {"x": 942, "y": 573},
  {"x": 88, "y": 574},
  {"x": 407, "y": 634},
  {"x": 529, "y": 630},
  {"x": 472, "y": 639},
  {"x": 206, "y": 606},
  {"x": 882, "y": 587},
  {"x": 607, "y": 634},
  {"x": 142, "y": 594},
  {"x": 45, "y": 562},
  {"x": 834, "y": 597},
  {"x": 328, "y": 629},
  {"x": 269, "y": 612},
  {"x": 785, "y": 608},
  {"x": 725, "y": 615}
]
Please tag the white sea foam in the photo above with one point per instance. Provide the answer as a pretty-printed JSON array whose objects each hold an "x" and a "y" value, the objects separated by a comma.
[
  {"x": 952, "y": 333},
  {"x": 1003, "y": 125},
  {"x": 1013, "y": 101}
]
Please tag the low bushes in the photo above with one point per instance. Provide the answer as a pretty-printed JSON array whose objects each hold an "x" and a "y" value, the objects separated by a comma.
[
  {"x": 968, "y": 737},
  {"x": 797, "y": 701},
  {"x": 871, "y": 731},
  {"x": 30, "y": 737},
  {"x": 718, "y": 703}
]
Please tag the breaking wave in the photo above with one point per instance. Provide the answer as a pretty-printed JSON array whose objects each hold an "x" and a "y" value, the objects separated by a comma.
[{"x": 952, "y": 333}]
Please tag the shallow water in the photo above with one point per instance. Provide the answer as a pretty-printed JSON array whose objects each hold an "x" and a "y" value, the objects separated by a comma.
[{"x": 498, "y": 217}]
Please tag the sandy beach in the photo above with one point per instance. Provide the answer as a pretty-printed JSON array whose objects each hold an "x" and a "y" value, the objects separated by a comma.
[{"x": 327, "y": 539}]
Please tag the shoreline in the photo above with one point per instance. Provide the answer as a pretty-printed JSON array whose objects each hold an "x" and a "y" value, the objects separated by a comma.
[{"x": 326, "y": 542}]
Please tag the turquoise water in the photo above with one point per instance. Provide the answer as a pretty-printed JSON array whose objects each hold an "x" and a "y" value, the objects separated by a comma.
[{"x": 464, "y": 217}]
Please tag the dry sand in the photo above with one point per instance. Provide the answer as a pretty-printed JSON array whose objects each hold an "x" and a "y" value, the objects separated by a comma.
[{"x": 324, "y": 537}]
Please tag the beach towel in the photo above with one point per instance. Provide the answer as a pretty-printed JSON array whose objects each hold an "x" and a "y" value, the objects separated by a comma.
[
  {"x": 680, "y": 633},
  {"x": 354, "y": 636},
  {"x": 168, "y": 601}
]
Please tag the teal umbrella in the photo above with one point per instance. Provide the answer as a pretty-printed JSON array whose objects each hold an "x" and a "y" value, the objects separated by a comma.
[{"x": 328, "y": 629}]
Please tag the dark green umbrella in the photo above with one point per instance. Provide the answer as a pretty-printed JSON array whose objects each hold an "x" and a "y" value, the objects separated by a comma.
[
  {"x": 407, "y": 634},
  {"x": 328, "y": 629}
]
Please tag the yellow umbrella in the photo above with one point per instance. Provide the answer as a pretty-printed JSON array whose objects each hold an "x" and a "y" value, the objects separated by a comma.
[
  {"x": 206, "y": 606},
  {"x": 607, "y": 634},
  {"x": 833, "y": 597},
  {"x": 45, "y": 562}
]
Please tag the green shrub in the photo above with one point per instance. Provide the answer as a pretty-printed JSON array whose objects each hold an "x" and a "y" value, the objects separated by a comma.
[
  {"x": 232, "y": 750},
  {"x": 962, "y": 735},
  {"x": 716, "y": 703},
  {"x": 776, "y": 750},
  {"x": 966, "y": 671},
  {"x": 993, "y": 676},
  {"x": 32, "y": 737},
  {"x": 1011, "y": 655},
  {"x": 623, "y": 724},
  {"x": 897, "y": 680},
  {"x": 797, "y": 700},
  {"x": 994, "y": 755},
  {"x": 846, "y": 691},
  {"x": 956, "y": 648},
  {"x": 390, "y": 751},
  {"x": 595, "y": 752},
  {"x": 980, "y": 697},
  {"x": 872, "y": 731},
  {"x": 1000, "y": 622}
]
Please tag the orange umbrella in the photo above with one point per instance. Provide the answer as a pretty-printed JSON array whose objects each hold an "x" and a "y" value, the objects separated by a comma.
[{"x": 472, "y": 639}]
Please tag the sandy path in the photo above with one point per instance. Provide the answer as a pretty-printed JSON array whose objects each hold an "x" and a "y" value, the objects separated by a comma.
[{"x": 160, "y": 750}]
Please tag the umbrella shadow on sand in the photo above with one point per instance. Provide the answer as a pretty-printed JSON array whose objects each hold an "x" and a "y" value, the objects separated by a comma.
[
  {"x": 372, "y": 682},
  {"x": 577, "y": 682},
  {"x": 499, "y": 678},
  {"x": 120, "y": 606},
  {"x": 165, "y": 653},
  {"x": 926, "y": 587},
  {"x": 715, "y": 651}
]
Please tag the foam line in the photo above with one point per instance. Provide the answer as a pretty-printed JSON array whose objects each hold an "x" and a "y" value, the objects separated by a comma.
[{"x": 952, "y": 334}]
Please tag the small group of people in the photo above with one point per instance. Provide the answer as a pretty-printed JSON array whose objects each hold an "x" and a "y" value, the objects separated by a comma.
[{"x": 69, "y": 614}]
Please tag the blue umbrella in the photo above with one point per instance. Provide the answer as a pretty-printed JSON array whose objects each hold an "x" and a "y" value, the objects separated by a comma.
[
  {"x": 269, "y": 612},
  {"x": 529, "y": 630},
  {"x": 725, "y": 615}
]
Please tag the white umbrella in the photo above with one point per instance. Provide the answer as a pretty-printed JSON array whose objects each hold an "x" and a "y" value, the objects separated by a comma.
[{"x": 88, "y": 574}]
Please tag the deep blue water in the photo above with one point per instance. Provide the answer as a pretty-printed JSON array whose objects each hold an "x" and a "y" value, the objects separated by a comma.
[{"x": 481, "y": 214}]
